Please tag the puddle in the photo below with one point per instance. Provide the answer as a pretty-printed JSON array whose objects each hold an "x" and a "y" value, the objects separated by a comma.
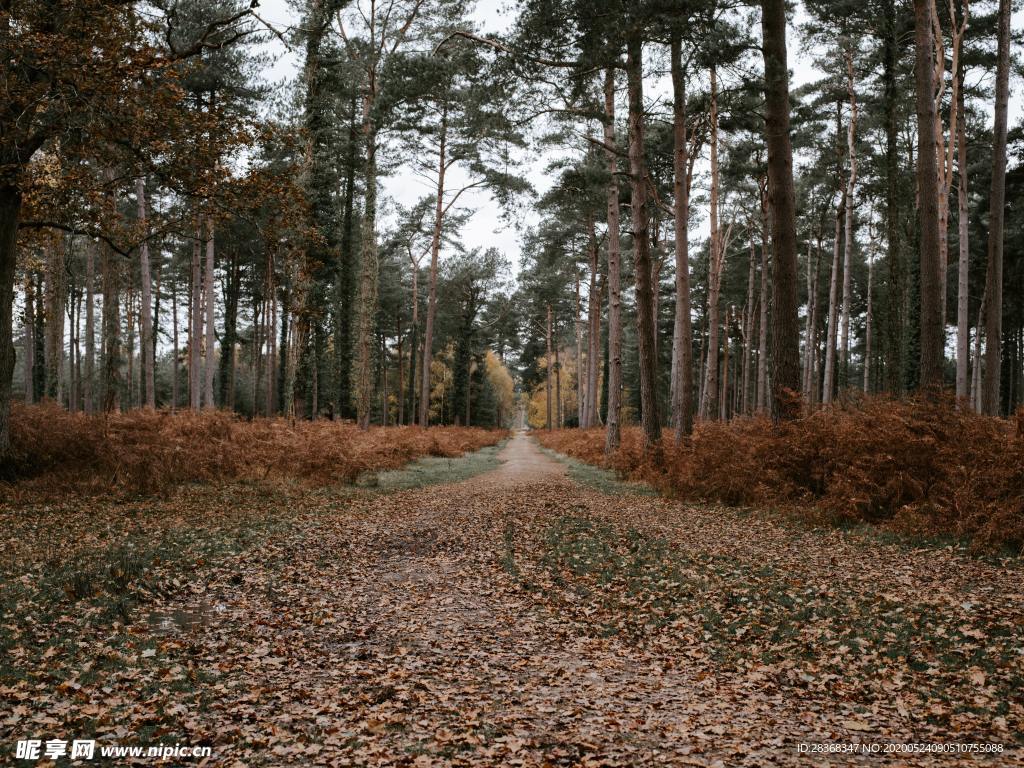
[{"x": 185, "y": 619}]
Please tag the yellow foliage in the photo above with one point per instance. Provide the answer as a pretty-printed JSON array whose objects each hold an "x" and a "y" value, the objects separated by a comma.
[
  {"x": 504, "y": 389},
  {"x": 538, "y": 404}
]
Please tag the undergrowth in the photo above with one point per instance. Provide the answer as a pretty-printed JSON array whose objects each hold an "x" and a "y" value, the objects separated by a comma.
[
  {"x": 918, "y": 466},
  {"x": 151, "y": 452}
]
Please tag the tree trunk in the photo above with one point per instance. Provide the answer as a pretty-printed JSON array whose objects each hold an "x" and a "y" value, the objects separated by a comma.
[
  {"x": 593, "y": 339},
  {"x": 195, "y": 321},
  {"x": 896, "y": 332},
  {"x": 848, "y": 239},
  {"x": 399, "y": 370},
  {"x": 175, "y": 346},
  {"x": 963, "y": 321},
  {"x": 723, "y": 407},
  {"x": 805, "y": 377},
  {"x": 367, "y": 283},
  {"x": 641, "y": 245},
  {"x": 868, "y": 321},
  {"x": 931, "y": 333},
  {"x": 747, "y": 329},
  {"x": 709, "y": 399},
  {"x": 814, "y": 359},
  {"x": 414, "y": 342},
  {"x": 146, "y": 319},
  {"x": 558, "y": 391},
  {"x": 997, "y": 203},
  {"x": 762, "y": 355},
  {"x": 435, "y": 250},
  {"x": 10, "y": 211},
  {"x": 209, "y": 290},
  {"x": 829, "y": 385},
  {"x": 55, "y": 293},
  {"x": 614, "y": 382},
  {"x": 547, "y": 380},
  {"x": 89, "y": 373},
  {"x": 110, "y": 268},
  {"x": 29, "y": 340},
  {"x": 269, "y": 409},
  {"x": 682, "y": 332},
  {"x": 581, "y": 374},
  {"x": 785, "y": 321},
  {"x": 346, "y": 267}
]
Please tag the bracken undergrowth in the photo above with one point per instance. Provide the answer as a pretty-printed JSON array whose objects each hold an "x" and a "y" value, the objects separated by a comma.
[
  {"x": 919, "y": 466},
  {"x": 151, "y": 452}
]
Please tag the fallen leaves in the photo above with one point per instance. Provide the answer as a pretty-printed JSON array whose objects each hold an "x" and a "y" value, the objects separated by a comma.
[{"x": 514, "y": 619}]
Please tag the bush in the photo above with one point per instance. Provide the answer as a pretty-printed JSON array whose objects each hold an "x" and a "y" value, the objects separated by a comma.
[
  {"x": 150, "y": 452},
  {"x": 920, "y": 466}
]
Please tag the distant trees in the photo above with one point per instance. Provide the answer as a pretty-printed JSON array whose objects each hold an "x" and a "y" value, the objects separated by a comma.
[{"x": 173, "y": 236}]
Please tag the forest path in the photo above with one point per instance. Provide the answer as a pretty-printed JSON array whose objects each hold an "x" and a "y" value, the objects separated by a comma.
[{"x": 513, "y": 619}]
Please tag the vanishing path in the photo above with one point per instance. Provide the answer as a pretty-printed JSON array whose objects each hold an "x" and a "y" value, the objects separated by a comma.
[{"x": 429, "y": 627}]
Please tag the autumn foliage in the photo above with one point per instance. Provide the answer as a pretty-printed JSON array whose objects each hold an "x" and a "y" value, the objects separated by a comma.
[
  {"x": 917, "y": 466},
  {"x": 150, "y": 452}
]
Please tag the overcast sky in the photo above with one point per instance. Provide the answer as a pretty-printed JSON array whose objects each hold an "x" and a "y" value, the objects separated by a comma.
[{"x": 485, "y": 228}]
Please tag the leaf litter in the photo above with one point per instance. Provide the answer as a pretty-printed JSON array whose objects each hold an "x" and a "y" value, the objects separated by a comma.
[{"x": 514, "y": 618}]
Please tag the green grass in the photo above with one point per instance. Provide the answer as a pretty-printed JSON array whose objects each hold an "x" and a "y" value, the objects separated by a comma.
[
  {"x": 432, "y": 470},
  {"x": 597, "y": 478}
]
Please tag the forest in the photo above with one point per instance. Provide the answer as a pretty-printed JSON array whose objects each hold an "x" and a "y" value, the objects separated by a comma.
[{"x": 343, "y": 338}]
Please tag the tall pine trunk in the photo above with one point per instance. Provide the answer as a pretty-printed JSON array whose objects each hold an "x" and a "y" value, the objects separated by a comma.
[
  {"x": 963, "y": 321},
  {"x": 210, "y": 294},
  {"x": 435, "y": 250},
  {"x": 29, "y": 340},
  {"x": 146, "y": 314},
  {"x": 997, "y": 201},
  {"x": 641, "y": 244},
  {"x": 931, "y": 333},
  {"x": 682, "y": 332},
  {"x": 614, "y": 379},
  {"x": 785, "y": 352},
  {"x": 110, "y": 269},
  {"x": 848, "y": 238},
  {"x": 593, "y": 338},
  {"x": 709, "y": 399}
]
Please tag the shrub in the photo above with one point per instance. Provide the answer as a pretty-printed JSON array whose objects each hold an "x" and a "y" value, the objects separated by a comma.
[
  {"x": 150, "y": 452},
  {"x": 917, "y": 465}
]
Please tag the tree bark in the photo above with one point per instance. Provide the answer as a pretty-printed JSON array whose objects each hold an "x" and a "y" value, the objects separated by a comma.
[
  {"x": 547, "y": 380},
  {"x": 195, "y": 321},
  {"x": 762, "y": 355},
  {"x": 848, "y": 238},
  {"x": 89, "y": 373},
  {"x": 931, "y": 333},
  {"x": 682, "y": 332},
  {"x": 10, "y": 211},
  {"x": 54, "y": 296},
  {"x": 748, "y": 328},
  {"x": 593, "y": 338},
  {"x": 210, "y": 293},
  {"x": 110, "y": 268},
  {"x": 829, "y": 385},
  {"x": 896, "y": 331},
  {"x": 963, "y": 321},
  {"x": 29, "y": 340},
  {"x": 614, "y": 383},
  {"x": 641, "y": 245},
  {"x": 146, "y": 314},
  {"x": 435, "y": 250},
  {"x": 785, "y": 321},
  {"x": 709, "y": 399},
  {"x": 997, "y": 202}
]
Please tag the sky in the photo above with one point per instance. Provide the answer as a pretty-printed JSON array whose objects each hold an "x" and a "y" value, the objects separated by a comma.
[{"x": 486, "y": 228}]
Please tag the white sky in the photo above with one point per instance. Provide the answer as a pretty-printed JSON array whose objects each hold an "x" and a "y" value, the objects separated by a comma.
[{"x": 485, "y": 228}]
